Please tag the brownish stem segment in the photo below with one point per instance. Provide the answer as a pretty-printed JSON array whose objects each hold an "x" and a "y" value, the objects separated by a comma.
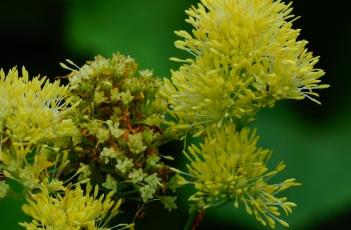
[{"x": 194, "y": 219}]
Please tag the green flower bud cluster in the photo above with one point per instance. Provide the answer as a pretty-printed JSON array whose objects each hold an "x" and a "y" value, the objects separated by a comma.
[{"x": 119, "y": 116}]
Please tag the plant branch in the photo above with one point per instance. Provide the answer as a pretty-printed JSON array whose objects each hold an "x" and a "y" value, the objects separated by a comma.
[{"x": 194, "y": 219}]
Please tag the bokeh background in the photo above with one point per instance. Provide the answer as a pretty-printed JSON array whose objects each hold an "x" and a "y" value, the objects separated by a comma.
[{"x": 313, "y": 140}]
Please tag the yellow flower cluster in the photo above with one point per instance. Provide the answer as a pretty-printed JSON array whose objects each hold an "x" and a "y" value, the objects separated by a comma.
[
  {"x": 228, "y": 167},
  {"x": 35, "y": 133},
  {"x": 31, "y": 110},
  {"x": 31, "y": 116},
  {"x": 246, "y": 56},
  {"x": 107, "y": 125},
  {"x": 74, "y": 210}
]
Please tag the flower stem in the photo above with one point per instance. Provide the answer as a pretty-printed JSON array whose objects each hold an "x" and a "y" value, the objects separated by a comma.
[{"x": 194, "y": 219}]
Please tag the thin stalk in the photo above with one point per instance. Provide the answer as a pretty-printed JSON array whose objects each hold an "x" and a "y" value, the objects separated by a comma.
[{"x": 194, "y": 219}]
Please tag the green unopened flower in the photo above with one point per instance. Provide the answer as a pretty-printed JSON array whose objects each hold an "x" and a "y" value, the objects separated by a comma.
[
  {"x": 107, "y": 154},
  {"x": 147, "y": 193},
  {"x": 137, "y": 175},
  {"x": 103, "y": 134},
  {"x": 169, "y": 202},
  {"x": 97, "y": 127},
  {"x": 75, "y": 209},
  {"x": 116, "y": 132},
  {"x": 228, "y": 167},
  {"x": 246, "y": 56},
  {"x": 99, "y": 97},
  {"x": 126, "y": 97},
  {"x": 153, "y": 181},
  {"x": 114, "y": 95},
  {"x": 148, "y": 136},
  {"x": 110, "y": 183},
  {"x": 153, "y": 161},
  {"x": 124, "y": 165},
  {"x": 135, "y": 143}
]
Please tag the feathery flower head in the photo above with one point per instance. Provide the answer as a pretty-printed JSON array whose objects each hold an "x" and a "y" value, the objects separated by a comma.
[
  {"x": 246, "y": 57},
  {"x": 34, "y": 167},
  {"x": 75, "y": 209},
  {"x": 32, "y": 113},
  {"x": 32, "y": 110},
  {"x": 228, "y": 167}
]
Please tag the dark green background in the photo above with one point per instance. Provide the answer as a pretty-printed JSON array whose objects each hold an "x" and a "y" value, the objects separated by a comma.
[{"x": 313, "y": 140}]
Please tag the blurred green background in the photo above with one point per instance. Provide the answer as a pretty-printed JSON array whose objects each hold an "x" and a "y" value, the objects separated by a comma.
[{"x": 313, "y": 140}]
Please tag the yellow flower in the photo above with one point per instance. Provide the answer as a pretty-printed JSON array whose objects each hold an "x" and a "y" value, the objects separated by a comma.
[
  {"x": 229, "y": 167},
  {"x": 74, "y": 210},
  {"x": 32, "y": 110},
  {"x": 32, "y": 113},
  {"x": 34, "y": 167},
  {"x": 246, "y": 56}
]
